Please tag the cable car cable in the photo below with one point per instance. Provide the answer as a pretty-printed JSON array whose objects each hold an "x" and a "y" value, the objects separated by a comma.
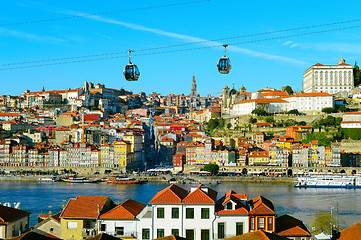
[
  {"x": 101, "y": 13},
  {"x": 180, "y": 45},
  {"x": 186, "y": 49}
]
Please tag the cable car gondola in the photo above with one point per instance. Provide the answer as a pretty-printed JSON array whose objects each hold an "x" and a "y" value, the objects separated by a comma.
[
  {"x": 224, "y": 64},
  {"x": 131, "y": 71}
]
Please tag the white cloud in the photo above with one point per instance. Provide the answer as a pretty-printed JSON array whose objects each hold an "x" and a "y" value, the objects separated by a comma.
[
  {"x": 287, "y": 43},
  {"x": 294, "y": 45},
  {"x": 21, "y": 34},
  {"x": 183, "y": 37}
]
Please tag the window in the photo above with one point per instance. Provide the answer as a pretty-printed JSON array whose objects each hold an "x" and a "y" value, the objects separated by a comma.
[
  {"x": 119, "y": 231},
  {"x": 252, "y": 223},
  {"x": 175, "y": 212},
  {"x": 175, "y": 232},
  {"x": 205, "y": 234},
  {"x": 270, "y": 224},
  {"x": 261, "y": 223},
  {"x": 103, "y": 227},
  {"x": 220, "y": 230},
  {"x": 239, "y": 228},
  {"x": 87, "y": 224},
  {"x": 189, "y": 213},
  {"x": 72, "y": 225},
  {"x": 145, "y": 233},
  {"x": 160, "y": 212},
  {"x": 229, "y": 206},
  {"x": 190, "y": 234},
  {"x": 205, "y": 213},
  {"x": 160, "y": 233}
]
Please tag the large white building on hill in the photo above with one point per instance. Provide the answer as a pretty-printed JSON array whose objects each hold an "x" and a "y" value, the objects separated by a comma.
[{"x": 329, "y": 78}]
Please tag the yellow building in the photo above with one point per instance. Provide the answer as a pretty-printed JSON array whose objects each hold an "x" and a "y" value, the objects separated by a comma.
[
  {"x": 262, "y": 215},
  {"x": 78, "y": 219},
  {"x": 122, "y": 153},
  {"x": 258, "y": 158}
]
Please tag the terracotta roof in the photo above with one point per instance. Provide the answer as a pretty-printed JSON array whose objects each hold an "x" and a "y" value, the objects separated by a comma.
[
  {"x": 261, "y": 206},
  {"x": 291, "y": 227},
  {"x": 8, "y": 214},
  {"x": 85, "y": 207},
  {"x": 200, "y": 196},
  {"x": 34, "y": 236},
  {"x": 171, "y": 237},
  {"x": 352, "y": 232},
  {"x": 318, "y": 64},
  {"x": 128, "y": 209},
  {"x": 352, "y": 113},
  {"x": 171, "y": 194},
  {"x": 257, "y": 235}
]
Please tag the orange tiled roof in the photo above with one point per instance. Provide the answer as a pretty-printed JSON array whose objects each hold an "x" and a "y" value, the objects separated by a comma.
[
  {"x": 261, "y": 206},
  {"x": 200, "y": 196},
  {"x": 257, "y": 235},
  {"x": 128, "y": 209},
  {"x": 85, "y": 207},
  {"x": 291, "y": 227},
  {"x": 352, "y": 232},
  {"x": 171, "y": 194}
]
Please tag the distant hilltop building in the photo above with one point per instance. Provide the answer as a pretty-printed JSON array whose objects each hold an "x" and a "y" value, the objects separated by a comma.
[
  {"x": 329, "y": 78},
  {"x": 194, "y": 87},
  {"x": 231, "y": 97}
]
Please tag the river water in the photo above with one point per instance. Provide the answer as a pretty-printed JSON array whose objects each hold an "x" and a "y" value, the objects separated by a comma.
[{"x": 300, "y": 203}]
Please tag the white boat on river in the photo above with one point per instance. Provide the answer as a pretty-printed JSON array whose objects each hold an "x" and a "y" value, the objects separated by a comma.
[{"x": 328, "y": 181}]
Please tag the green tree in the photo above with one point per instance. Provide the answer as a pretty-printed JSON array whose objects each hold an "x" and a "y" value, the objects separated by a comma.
[
  {"x": 356, "y": 75},
  {"x": 302, "y": 123},
  {"x": 259, "y": 111},
  {"x": 212, "y": 168},
  {"x": 343, "y": 109},
  {"x": 293, "y": 111},
  {"x": 269, "y": 119},
  {"x": 289, "y": 90},
  {"x": 323, "y": 222},
  {"x": 252, "y": 120},
  {"x": 328, "y": 110},
  {"x": 229, "y": 125}
]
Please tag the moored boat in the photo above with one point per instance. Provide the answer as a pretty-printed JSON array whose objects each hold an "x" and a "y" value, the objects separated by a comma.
[
  {"x": 46, "y": 179},
  {"x": 79, "y": 180},
  {"x": 124, "y": 180},
  {"x": 328, "y": 182}
]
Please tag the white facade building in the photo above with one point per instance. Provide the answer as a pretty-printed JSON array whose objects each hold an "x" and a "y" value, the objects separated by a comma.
[
  {"x": 329, "y": 78},
  {"x": 194, "y": 214}
]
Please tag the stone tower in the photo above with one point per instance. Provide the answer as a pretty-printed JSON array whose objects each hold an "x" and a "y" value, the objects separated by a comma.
[{"x": 194, "y": 87}]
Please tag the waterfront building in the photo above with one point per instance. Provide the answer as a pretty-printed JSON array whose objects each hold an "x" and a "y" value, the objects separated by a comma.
[
  {"x": 122, "y": 219},
  {"x": 258, "y": 158},
  {"x": 329, "y": 78},
  {"x": 13, "y": 221},
  {"x": 79, "y": 217},
  {"x": 261, "y": 215}
]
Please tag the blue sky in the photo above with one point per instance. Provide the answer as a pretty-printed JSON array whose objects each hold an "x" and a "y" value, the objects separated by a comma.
[{"x": 272, "y": 63}]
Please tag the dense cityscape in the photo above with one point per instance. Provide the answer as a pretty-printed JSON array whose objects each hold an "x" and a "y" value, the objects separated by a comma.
[{"x": 180, "y": 120}]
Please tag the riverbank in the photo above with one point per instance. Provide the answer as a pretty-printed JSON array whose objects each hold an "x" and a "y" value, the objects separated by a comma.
[{"x": 166, "y": 178}]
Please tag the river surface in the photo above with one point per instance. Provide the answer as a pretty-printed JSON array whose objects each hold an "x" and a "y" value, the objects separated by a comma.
[{"x": 300, "y": 203}]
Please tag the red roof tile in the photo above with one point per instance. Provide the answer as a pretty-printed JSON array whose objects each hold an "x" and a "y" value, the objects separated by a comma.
[
  {"x": 199, "y": 196},
  {"x": 128, "y": 209},
  {"x": 261, "y": 206},
  {"x": 171, "y": 194},
  {"x": 291, "y": 227},
  {"x": 85, "y": 207},
  {"x": 353, "y": 232},
  {"x": 8, "y": 214}
]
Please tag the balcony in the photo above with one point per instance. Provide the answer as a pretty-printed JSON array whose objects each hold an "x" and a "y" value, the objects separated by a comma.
[{"x": 87, "y": 232}]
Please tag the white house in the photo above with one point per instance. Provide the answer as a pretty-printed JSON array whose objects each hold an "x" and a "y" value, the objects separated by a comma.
[{"x": 121, "y": 221}]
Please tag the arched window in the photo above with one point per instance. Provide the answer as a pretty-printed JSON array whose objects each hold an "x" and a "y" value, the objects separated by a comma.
[
  {"x": 326, "y": 75},
  {"x": 331, "y": 75}
]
